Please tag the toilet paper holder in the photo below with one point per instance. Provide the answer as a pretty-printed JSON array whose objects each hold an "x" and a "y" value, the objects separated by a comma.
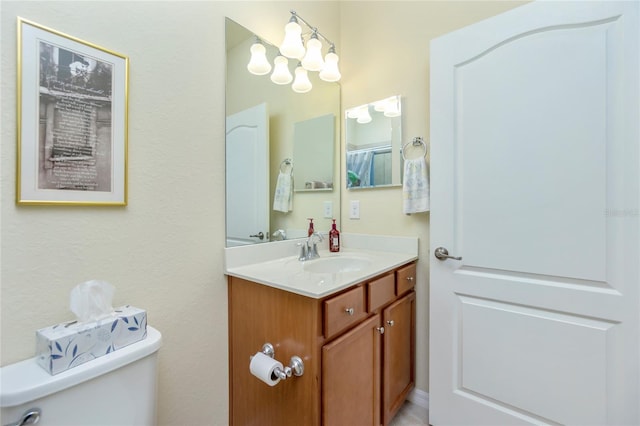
[{"x": 295, "y": 367}]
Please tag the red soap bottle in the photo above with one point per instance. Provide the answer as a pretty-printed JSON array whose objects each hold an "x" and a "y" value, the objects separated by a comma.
[
  {"x": 334, "y": 238},
  {"x": 311, "y": 231}
]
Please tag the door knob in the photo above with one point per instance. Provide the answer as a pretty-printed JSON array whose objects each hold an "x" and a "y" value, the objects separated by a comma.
[
  {"x": 442, "y": 253},
  {"x": 259, "y": 235}
]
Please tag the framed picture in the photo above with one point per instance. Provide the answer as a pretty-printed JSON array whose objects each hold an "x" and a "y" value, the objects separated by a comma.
[{"x": 72, "y": 120}]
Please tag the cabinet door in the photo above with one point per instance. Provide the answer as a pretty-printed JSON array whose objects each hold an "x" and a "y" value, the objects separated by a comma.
[
  {"x": 398, "y": 364},
  {"x": 351, "y": 377}
]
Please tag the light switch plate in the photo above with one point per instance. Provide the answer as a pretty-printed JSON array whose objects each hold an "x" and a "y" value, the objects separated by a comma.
[
  {"x": 328, "y": 210},
  {"x": 354, "y": 211}
]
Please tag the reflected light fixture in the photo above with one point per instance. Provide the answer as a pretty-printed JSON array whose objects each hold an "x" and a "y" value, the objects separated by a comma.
[
  {"x": 281, "y": 73},
  {"x": 258, "y": 64},
  {"x": 309, "y": 57},
  {"x": 302, "y": 84},
  {"x": 392, "y": 107},
  {"x": 389, "y": 107},
  {"x": 363, "y": 115}
]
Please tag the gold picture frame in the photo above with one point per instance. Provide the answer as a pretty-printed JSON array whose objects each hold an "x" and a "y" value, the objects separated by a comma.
[{"x": 72, "y": 120}]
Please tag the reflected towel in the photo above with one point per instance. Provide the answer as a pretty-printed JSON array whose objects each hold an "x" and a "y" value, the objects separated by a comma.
[
  {"x": 283, "y": 198},
  {"x": 415, "y": 186}
]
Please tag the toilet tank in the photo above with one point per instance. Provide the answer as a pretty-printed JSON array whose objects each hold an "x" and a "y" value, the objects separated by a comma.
[{"x": 117, "y": 389}]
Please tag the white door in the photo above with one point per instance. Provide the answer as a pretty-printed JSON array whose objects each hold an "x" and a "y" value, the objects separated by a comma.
[
  {"x": 247, "y": 177},
  {"x": 535, "y": 184}
]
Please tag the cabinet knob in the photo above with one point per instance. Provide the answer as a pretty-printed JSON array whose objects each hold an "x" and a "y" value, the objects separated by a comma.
[
  {"x": 390, "y": 322},
  {"x": 380, "y": 330},
  {"x": 349, "y": 311},
  {"x": 409, "y": 279}
]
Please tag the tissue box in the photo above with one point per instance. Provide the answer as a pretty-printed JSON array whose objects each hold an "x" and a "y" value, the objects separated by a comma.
[{"x": 67, "y": 345}]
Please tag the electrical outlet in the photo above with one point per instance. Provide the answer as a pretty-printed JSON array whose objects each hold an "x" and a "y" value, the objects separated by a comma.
[
  {"x": 328, "y": 210},
  {"x": 354, "y": 211}
]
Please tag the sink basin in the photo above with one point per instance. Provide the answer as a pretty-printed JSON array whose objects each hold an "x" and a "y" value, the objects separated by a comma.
[{"x": 332, "y": 265}]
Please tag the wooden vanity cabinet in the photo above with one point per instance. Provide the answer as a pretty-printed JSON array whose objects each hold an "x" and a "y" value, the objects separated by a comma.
[
  {"x": 399, "y": 320},
  {"x": 351, "y": 376},
  {"x": 358, "y": 347}
]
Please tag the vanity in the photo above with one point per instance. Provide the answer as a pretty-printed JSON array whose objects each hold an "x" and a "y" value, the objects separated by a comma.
[
  {"x": 346, "y": 321},
  {"x": 349, "y": 316}
]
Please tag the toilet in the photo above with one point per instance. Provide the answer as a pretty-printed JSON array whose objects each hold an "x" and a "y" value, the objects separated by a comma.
[{"x": 117, "y": 389}]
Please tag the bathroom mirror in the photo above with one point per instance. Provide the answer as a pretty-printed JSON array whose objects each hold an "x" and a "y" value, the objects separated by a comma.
[
  {"x": 374, "y": 144},
  {"x": 287, "y": 113},
  {"x": 313, "y": 153}
]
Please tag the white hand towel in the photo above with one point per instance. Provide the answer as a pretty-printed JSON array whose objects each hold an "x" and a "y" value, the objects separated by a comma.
[
  {"x": 283, "y": 198},
  {"x": 415, "y": 186}
]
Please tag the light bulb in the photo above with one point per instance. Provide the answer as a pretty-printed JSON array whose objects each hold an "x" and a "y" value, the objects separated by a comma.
[
  {"x": 291, "y": 46},
  {"x": 258, "y": 64},
  {"x": 313, "y": 58},
  {"x": 380, "y": 105},
  {"x": 353, "y": 112},
  {"x": 392, "y": 109},
  {"x": 302, "y": 83},
  {"x": 330, "y": 71},
  {"x": 363, "y": 115},
  {"x": 281, "y": 73}
]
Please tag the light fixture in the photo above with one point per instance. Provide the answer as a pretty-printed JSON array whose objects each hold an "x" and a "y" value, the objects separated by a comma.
[
  {"x": 363, "y": 115},
  {"x": 293, "y": 47},
  {"x": 258, "y": 64},
  {"x": 376, "y": 111},
  {"x": 330, "y": 71},
  {"x": 281, "y": 73},
  {"x": 312, "y": 60},
  {"x": 392, "y": 107},
  {"x": 352, "y": 113},
  {"x": 302, "y": 84}
]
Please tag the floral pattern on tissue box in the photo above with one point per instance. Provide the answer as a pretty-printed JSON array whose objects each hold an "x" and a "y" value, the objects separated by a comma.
[{"x": 67, "y": 345}]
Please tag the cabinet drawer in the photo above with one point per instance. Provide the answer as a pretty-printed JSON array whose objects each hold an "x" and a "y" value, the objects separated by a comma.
[
  {"x": 344, "y": 310},
  {"x": 405, "y": 278},
  {"x": 381, "y": 291}
]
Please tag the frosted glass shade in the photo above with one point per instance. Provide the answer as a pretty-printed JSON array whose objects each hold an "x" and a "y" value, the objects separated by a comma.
[
  {"x": 353, "y": 113},
  {"x": 392, "y": 108},
  {"x": 258, "y": 64},
  {"x": 301, "y": 83},
  {"x": 330, "y": 71},
  {"x": 312, "y": 60},
  {"x": 281, "y": 73},
  {"x": 291, "y": 46},
  {"x": 363, "y": 115}
]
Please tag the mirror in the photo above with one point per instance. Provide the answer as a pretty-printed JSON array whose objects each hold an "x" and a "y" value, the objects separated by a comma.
[
  {"x": 313, "y": 153},
  {"x": 374, "y": 144},
  {"x": 297, "y": 129}
]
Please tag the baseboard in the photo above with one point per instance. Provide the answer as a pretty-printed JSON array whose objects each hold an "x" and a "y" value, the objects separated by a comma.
[{"x": 419, "y": 397}]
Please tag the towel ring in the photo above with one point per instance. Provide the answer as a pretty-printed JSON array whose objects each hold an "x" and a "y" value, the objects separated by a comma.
[
  {"x": 286, "y": 162},
  {"x": 417, "y": 141}
]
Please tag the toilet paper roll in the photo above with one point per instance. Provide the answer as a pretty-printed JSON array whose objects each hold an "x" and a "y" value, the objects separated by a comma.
[{"x": 263, "y": 367}]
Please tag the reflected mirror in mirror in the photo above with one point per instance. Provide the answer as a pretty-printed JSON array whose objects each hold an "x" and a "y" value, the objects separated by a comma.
[
  {"x": 313, "y": 143},
  {"x": 262, "y": 120},
  {"x": 373, "y": 144}
]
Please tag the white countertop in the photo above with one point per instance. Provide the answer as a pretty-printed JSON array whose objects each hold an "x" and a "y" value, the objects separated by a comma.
[{"x": 265, "y": 264}]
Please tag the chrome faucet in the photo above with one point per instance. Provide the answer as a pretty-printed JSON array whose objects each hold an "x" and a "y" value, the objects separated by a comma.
[
  {"x": 279, "y": 235},
  {"x": 309, "y": 249}
]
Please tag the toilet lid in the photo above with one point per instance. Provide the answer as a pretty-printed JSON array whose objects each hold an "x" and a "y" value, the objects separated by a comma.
[{"x": 26, "y": 381}]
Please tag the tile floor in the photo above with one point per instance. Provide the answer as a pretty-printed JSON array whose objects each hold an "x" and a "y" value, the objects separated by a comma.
[{"x": 411, "y": 415}]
